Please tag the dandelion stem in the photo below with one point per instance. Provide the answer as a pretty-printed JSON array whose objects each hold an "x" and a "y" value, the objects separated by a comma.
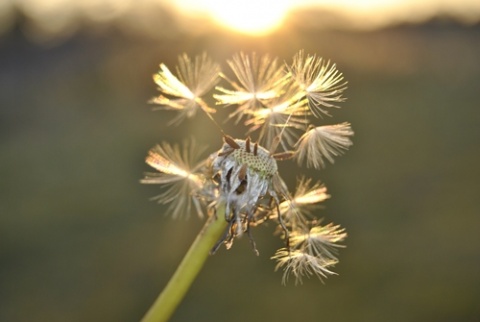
[{"x": 166, "y": 303}]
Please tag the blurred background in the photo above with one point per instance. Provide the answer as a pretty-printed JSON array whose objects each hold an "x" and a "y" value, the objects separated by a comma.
[{"x": 79, "y": 238}]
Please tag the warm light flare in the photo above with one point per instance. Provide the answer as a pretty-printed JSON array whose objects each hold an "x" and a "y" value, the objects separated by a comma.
[{"x": 253, "y": 17}]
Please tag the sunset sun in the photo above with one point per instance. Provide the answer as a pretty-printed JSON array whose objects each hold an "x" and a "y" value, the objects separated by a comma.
[{"x": 254, "y": 17}]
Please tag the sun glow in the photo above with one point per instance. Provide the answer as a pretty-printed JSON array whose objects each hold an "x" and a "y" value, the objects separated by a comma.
[{"x": 253, "y": 17}]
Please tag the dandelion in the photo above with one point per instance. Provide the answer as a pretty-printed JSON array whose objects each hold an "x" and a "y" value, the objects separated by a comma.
[{"x": 239, "y": 186}]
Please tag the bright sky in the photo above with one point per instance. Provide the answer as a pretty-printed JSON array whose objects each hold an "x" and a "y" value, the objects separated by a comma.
[
  {"x": 247, "y": 16},
  {"x": 254, "y": 17},
  {"x": 262, "y": 16}
]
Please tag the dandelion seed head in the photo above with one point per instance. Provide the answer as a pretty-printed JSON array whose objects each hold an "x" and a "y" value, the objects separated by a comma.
[
  {"x": 246, "y": 174},
  {"x": 262, "y": 161},
  {"x": 276, "y": 103}
]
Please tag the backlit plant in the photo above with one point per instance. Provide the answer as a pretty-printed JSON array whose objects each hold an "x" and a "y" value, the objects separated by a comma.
[{"x": 239, "y": 186}]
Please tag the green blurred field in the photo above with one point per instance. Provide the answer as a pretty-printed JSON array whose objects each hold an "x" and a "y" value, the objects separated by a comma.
[{"x": 80, "y": 241}]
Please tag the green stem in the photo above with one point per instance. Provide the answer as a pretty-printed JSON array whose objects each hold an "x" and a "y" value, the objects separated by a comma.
[{"x": 187, "y": 271}]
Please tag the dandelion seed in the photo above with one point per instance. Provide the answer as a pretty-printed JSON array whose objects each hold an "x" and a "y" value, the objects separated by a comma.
[
  {"x": 306, "y": 195},
  {"x": 185, "y": 92},
  {"x": 297, "y": 209},
  {"x": 312, "y": 253},
  {"x": 283, "y": 115},
  {"x": 321, "y": 82},
  {"x": 182, "y": 183},
  {"x": 319, "y": 240},
  {"x": 322, "y": 142},
  {"x": 260, "y": 80},
  {"x": 301, "y": 264}
]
